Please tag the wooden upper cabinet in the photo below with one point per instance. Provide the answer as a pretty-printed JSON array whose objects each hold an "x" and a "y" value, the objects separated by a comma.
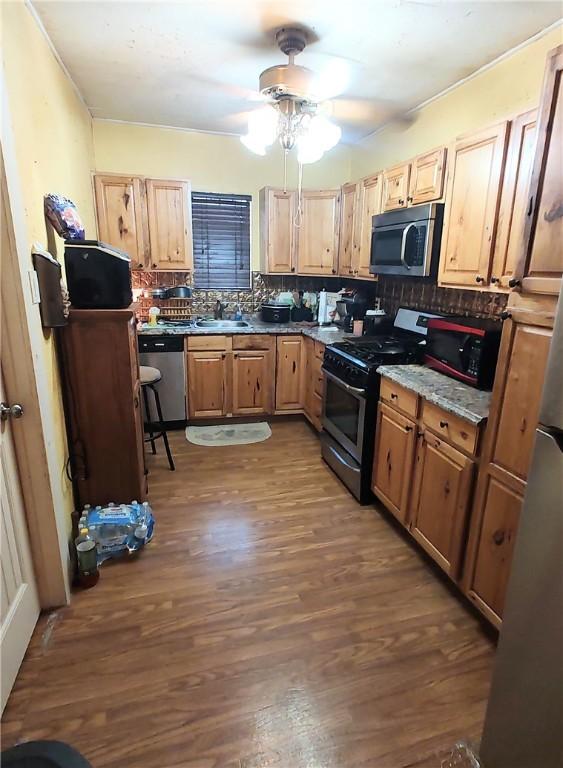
[
  {"x": 514, "y": 199},
  {"x": 540, "y": 265},
  {"x": 348, "y": 246},
  {"x": 369, "y": 205},
  {"x": 396, "y": 187},
  {"x": 170, "y": 224},
  {"x": 441, "y": 501},
  {"x": 290, "y": 373},
  {"x": 253, "y": 382},
  {"x": 475, "y": 171},
  {"x": 317, "y": 252},
  {"x": 427, "y": 177},
  {"x": 207, "y": 384},
  {"x": 121, "y": 215},
  {"x": 395, "y": 445},
  {"x": 524, "y": 360},
  {"x": 277, "y": 231}
]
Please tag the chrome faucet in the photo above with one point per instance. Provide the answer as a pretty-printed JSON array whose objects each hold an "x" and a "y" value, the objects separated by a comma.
[{"x": 218, "y": 311}]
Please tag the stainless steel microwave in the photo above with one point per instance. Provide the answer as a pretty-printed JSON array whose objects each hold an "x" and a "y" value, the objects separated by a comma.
[{"x": 407, "y": 242}]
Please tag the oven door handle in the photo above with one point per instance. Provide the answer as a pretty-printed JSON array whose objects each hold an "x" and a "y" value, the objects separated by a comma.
[
  {"x": 341, "y": 458},
  {"x": 406, "y": 231},
  {"x": 347, "y": 387}
]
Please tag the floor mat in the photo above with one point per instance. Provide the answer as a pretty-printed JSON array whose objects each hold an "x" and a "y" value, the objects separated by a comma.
[{"x": 229, "y": 434}]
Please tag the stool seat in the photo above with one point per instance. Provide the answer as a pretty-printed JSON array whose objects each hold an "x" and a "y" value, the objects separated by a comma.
[{"x": 149, "y": 375}]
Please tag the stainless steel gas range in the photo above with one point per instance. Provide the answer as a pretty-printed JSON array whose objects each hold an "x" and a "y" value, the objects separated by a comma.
[{"x": 351, "y": 392}]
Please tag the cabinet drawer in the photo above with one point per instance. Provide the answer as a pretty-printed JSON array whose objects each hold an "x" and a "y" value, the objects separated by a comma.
[
  {"x": 319, "y": 350},
  {"x": 253, "y": 341},
  {"x": 399, "y": 397},
  {"x": 456, "y": 431},
  {"x": 207, "y": 343}
]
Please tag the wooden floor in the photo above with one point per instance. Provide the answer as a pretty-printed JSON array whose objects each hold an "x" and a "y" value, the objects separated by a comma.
[{"x": 271, "y": 622}]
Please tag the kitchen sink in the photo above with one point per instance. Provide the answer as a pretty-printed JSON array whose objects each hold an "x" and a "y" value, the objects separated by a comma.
[{"x": 222, "y": 324}]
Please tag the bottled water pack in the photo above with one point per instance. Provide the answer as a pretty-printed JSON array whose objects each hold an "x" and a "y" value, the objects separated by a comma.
[{"x": 118, "y": 528}]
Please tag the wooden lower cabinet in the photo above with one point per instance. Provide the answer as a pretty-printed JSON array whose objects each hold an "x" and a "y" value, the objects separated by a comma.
[
  {"x": 253, "y": 382},
  {"x": 395, "y": 446},
  {"x": 290, "y": 373},
  {"x": 207, "y": 384},
  {"x": 441, "y": 501},
  {"x": 487, "y": 577}
]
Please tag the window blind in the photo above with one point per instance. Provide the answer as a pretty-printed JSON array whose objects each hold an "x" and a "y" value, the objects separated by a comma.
[{"x": 221, "y": 240}]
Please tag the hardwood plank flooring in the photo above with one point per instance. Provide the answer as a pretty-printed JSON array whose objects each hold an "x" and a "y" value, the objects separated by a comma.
[{"x": 271, "y": 622}]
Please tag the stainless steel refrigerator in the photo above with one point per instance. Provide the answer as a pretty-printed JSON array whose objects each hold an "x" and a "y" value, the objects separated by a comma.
[{"x": 524, "y": 720}]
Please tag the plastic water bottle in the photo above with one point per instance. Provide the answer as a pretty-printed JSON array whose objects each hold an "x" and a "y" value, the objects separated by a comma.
[{"x": 88, "y": 573}]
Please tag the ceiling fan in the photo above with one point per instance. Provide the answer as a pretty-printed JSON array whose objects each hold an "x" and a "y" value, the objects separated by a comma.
[{"x": 296, "y": 99}]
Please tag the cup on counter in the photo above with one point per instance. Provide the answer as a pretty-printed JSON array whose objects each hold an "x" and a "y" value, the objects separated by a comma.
[{"x": 358, "y": 327}]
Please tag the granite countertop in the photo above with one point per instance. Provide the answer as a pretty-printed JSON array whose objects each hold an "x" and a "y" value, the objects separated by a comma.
[
  {"x": 324, "y": 334},
  {"x": 453, "y": 396}
]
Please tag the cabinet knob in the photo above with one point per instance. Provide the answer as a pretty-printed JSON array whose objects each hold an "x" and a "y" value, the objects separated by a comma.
[
  {"x": 401, "y": 201},
  {"x": 333, "y": 271},
  {"x": 505, "y": 315},
  {"x": 479, "y": 279},
  {"x": 154, "y": 266},
  {"x": 495, "y": 279},
  {"x": 408, "y": 429},
  {"x": 409, "y": 199},
  {"x": 293, "y": 269},
  {"x": 513, "y": 282},
  {"x": 498, "y": 537},
  {"x": 443, "y": 424},
  {"x": 393, "y": 396}
]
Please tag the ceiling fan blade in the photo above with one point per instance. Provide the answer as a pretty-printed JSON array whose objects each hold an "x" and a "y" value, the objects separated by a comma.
[{"x": 361, "y": 111}]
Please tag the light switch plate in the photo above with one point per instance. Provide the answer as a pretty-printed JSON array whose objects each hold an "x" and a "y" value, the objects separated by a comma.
[{"x": 34, "y": 286}]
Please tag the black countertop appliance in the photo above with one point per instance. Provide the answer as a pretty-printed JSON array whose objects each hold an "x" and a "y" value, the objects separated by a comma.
[{"x": 98, "y": 275}]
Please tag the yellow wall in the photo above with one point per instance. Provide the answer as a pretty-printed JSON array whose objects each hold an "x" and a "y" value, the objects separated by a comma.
[
  {"x": 212, "y": 162},
  {"x": 54, "y": 153},
  {"x": 511, "y": 86}
]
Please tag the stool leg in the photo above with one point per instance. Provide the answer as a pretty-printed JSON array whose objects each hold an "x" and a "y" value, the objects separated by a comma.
[
  {"x": 149, "y": 418},
  {"x": 163, "y": 430}
]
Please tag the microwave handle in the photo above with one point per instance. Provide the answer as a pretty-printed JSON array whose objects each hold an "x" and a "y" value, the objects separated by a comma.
[{"x": 406, "y": 231}]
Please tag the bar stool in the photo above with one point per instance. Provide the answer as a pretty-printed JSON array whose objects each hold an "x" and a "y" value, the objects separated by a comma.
[{"x": 149, "y": 377}]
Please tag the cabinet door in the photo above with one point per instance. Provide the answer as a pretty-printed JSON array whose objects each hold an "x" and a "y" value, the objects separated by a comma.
[
  {"x": 540, "y": 266},
  {"x": 369, "y": 206},
  {"x": 395, "y": 442},
  {"x": 396, "y": 187},
  {"x": 348, "y": 246},
  {"x": 289, "y": 373},
  {"x": 490, "y": 569},
  {"x": 524, "y": 364},
  {"x": 170, "y": 224},
  {"x": 253, "y": 382},
  {"x": 427, "y": 177},
  {"x": 207, "y": 384},
  {"x": 475, "y": 171},
  {"x": 514, "y": 199},
  {"x": 277, "y": 235},
  {"x": 317, "y": 252},
  {"x": 441, "y": 501},
  {"x": 122, "y": 217}
]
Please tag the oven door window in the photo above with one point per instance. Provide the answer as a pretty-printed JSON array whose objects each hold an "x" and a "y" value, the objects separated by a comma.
[{"x": 343, "y": 410}]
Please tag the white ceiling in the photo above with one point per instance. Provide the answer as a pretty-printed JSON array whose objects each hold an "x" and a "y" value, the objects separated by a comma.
[{"x": 195, "y": 64}]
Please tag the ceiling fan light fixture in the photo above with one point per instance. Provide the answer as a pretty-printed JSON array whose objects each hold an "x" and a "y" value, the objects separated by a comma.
[
  {"x": 321, "y": 131},
  {"x": 253, "y": 143},
  {"x": 308, "y": 150}
]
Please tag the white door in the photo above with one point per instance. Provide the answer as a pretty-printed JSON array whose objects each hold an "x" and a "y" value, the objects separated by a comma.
[{"x": 19, "y": 603}]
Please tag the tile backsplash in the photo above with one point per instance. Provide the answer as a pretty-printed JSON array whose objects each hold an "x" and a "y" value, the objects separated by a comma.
[
  {"x": 393, "y": 292},
  {"x": 264, "y": 288}
]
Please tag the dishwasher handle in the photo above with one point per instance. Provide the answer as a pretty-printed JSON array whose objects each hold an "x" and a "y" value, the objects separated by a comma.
[{"x": 161, "y": 343}]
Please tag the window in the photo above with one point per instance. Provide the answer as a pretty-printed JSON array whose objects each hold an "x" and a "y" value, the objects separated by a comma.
[{"x": 221, "y": 232}]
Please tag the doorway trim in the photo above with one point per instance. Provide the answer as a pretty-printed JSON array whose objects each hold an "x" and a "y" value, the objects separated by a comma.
[{"x": 25, "y": 378}]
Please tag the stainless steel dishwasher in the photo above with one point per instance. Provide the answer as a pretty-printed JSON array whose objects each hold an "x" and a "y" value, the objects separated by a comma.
[{"x": 167, "y": 354}]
